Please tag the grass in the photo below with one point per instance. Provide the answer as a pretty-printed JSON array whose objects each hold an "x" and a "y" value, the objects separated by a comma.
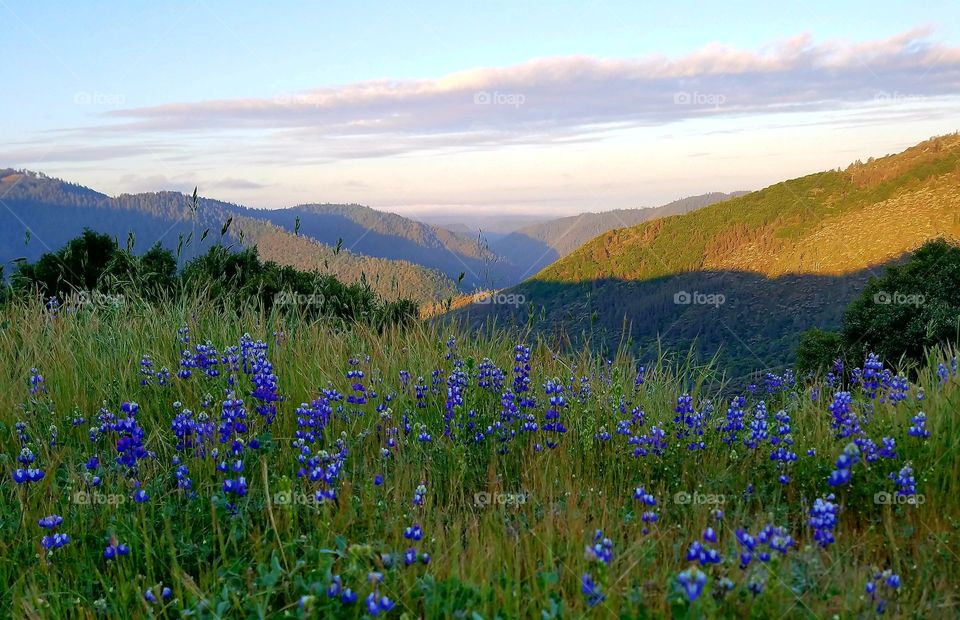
[{"x": 506, "y": 532}]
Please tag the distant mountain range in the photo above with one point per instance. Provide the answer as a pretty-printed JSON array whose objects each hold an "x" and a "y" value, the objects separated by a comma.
[
  {"x": 534, "y": 247},
  {"x": 397, "y": 255},
  {"x": 41, "y": 214},
  {"x": 747, "y": 275}
]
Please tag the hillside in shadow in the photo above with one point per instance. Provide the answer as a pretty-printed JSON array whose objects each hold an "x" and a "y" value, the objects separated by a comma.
[{"x": 750, "y": 321}]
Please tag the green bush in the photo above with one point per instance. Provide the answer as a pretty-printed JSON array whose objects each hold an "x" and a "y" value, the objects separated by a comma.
[
  {"x": 817, "y": 350},
  {"x": 94, "y": 263},
  {"x": 913, "y": 307}
]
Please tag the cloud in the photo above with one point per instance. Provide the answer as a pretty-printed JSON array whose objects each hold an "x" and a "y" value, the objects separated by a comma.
[{"x": 551, "y": 100}]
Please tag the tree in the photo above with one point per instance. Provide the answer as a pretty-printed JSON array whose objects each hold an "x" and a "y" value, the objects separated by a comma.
[
  {"x": 77, "y": 266},
  {"x": 817, "y": 350},
  {"x": 913, "y": 306}
]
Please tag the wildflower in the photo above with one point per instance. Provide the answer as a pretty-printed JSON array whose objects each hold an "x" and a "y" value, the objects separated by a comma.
[
  {"x": 845, "y": 420},
  {"x": 758, "y": 427},
  {"x": 842, "y": 473},
  {"x": 702, "y": 554},
  {"x": 409, "y": 556},
  {"x": 336, "y": 587},
  {"x": 115, "y": 549},
  {"x": 918, "y": 426},
  {"x": 648, "y": 500},
  {"x": 237, "y": 487},
  {"x": 692, "y": 580},
  {"x": 414, "y": 532},
  {"x": 880, "y": 587},
  {"x": 50, "y": 522},
  {"x": 419, "y": 494},
  {"x": 823, "y": 520},
  {"x": 602, "y": 548},
  {"x": 54, "y": 541},
  {"x": 906, "y": 483},
  {"x": 735, "y": 415},
  {"x": 37, "y": 383},
  {"x": 591, "y": 590},
  {"x": 557, "y": 403},
  {"x": 24, "y": 476}
]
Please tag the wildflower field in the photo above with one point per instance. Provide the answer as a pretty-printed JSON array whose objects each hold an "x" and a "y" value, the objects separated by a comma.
[{"x": 174, "y": 460}]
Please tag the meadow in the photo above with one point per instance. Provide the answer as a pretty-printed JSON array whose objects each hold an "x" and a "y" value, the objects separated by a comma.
[{"x": 179, "y": 460}]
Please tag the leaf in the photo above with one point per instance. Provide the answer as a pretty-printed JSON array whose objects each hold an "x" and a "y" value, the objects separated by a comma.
[{"x": 226, "y": 226}]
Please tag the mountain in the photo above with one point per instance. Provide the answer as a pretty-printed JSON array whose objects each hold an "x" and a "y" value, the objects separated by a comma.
[
  {"x": 388, "y": 235},
  {"x": 44, "y": 213},
  {"x": 748, "y": 275},
  {"x": 535, "y": 246}
]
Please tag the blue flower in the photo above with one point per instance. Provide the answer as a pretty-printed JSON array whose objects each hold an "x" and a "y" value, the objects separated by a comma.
[
  {"x": 409, "y": 556},
  {"x": 602, "y": 548},
  {"x": 335, "y": 588},
  {"x": 54, "y": 541},
  {"x": 842, "y": 473},
  {"x": 236, "y": 487},
  {"x": 24, "y": 476},
  {"x": 50, "y": 522},
  {"x": 823, "y": 520},
  {"x": 906, "y": 483},
  {"x": 591, "y": 590},
  {"x": 692, "y": 580},
  {"x": 414, "y": 532},
  {"x": 918, "y": 426}
]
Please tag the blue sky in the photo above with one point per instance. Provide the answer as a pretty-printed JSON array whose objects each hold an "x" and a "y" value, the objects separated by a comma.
[{"x": 536, "y": 107}]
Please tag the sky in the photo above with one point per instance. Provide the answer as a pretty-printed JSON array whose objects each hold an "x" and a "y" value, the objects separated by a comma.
[{"x": 426, "y": 108}]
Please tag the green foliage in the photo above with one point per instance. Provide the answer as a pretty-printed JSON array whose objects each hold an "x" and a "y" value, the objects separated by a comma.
[
  {"x": 94, "y": 264},
  {"x": 817, "y": 350},
  {"x": 910, "y": 308}
]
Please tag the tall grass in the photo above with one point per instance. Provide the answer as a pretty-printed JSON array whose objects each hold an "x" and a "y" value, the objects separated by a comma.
[{"x": 519, "y": 555}]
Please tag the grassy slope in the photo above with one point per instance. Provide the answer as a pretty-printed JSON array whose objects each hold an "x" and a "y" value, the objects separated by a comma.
[
  {"x": 518, "y": 560},
  {"x": 830, "y": 222}
]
